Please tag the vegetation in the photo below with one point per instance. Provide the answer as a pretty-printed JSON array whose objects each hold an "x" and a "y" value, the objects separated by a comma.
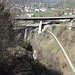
[
  {"x": 40, "y": 69},
  {"x": 50, "y": 47},
  {"x": 15, "y": 60},
  {"x": 41, "y": 14},
  {"x": 67, "y": 5},
  {"x": 6, "y": 24},
  {"x": 26, "y": 45}
]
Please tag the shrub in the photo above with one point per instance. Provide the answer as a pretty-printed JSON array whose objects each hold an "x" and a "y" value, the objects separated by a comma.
[{"x": 26, "y": 45}]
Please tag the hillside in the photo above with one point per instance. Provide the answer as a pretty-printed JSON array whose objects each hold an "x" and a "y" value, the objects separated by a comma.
[
  {"x": 53, "y": 3},
  {"x": 45, "y": 1},
  {"x": 48, "y": 48}
]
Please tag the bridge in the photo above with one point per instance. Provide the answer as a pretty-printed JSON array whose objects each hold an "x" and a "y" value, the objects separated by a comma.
[
  {"x": 44, "y": 18},
  {"x": 41, "y": 24}
]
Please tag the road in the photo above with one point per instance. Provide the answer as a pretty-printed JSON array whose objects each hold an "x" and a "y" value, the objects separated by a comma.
[
  {"x": 44, "y": 18},
  {"x": 22, "y": 25},
  {"x": 63, "y": 50}
]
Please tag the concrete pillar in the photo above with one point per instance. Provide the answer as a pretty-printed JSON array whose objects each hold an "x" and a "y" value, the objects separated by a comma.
[
  {"x": 40, "y": 27},
  {"x": 70, "y": 25},
  {"x": 25, "y": 34}
]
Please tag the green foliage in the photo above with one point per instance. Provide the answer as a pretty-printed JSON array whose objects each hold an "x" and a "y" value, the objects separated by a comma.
[
  {"x": 43, "y": 14},
  {"x": 26, "y": 45},
  {"x": 67, "y": 5}
]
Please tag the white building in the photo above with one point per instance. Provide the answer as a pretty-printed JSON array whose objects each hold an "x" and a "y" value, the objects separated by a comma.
[
  {"x": 70, "y": 13},
  {"x": 42, "y": 9},
  {"x": 37, "y": 10},
  {"x": 29, "y": 15}
]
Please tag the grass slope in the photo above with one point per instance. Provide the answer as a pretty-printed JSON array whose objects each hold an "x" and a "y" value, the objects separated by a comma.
[{"x": 67, "y": 39}]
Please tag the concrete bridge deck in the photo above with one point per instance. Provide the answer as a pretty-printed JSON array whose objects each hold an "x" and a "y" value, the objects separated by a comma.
[
  {"x": 41, "y": 24},
  {"x": 45, "y": 18}
]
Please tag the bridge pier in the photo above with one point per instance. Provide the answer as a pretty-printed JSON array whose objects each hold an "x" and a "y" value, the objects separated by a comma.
[
  {"x": 70, "y": 24},
  {"x": 40, "y": 27},
  {"x": 25, "y": 34}
]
